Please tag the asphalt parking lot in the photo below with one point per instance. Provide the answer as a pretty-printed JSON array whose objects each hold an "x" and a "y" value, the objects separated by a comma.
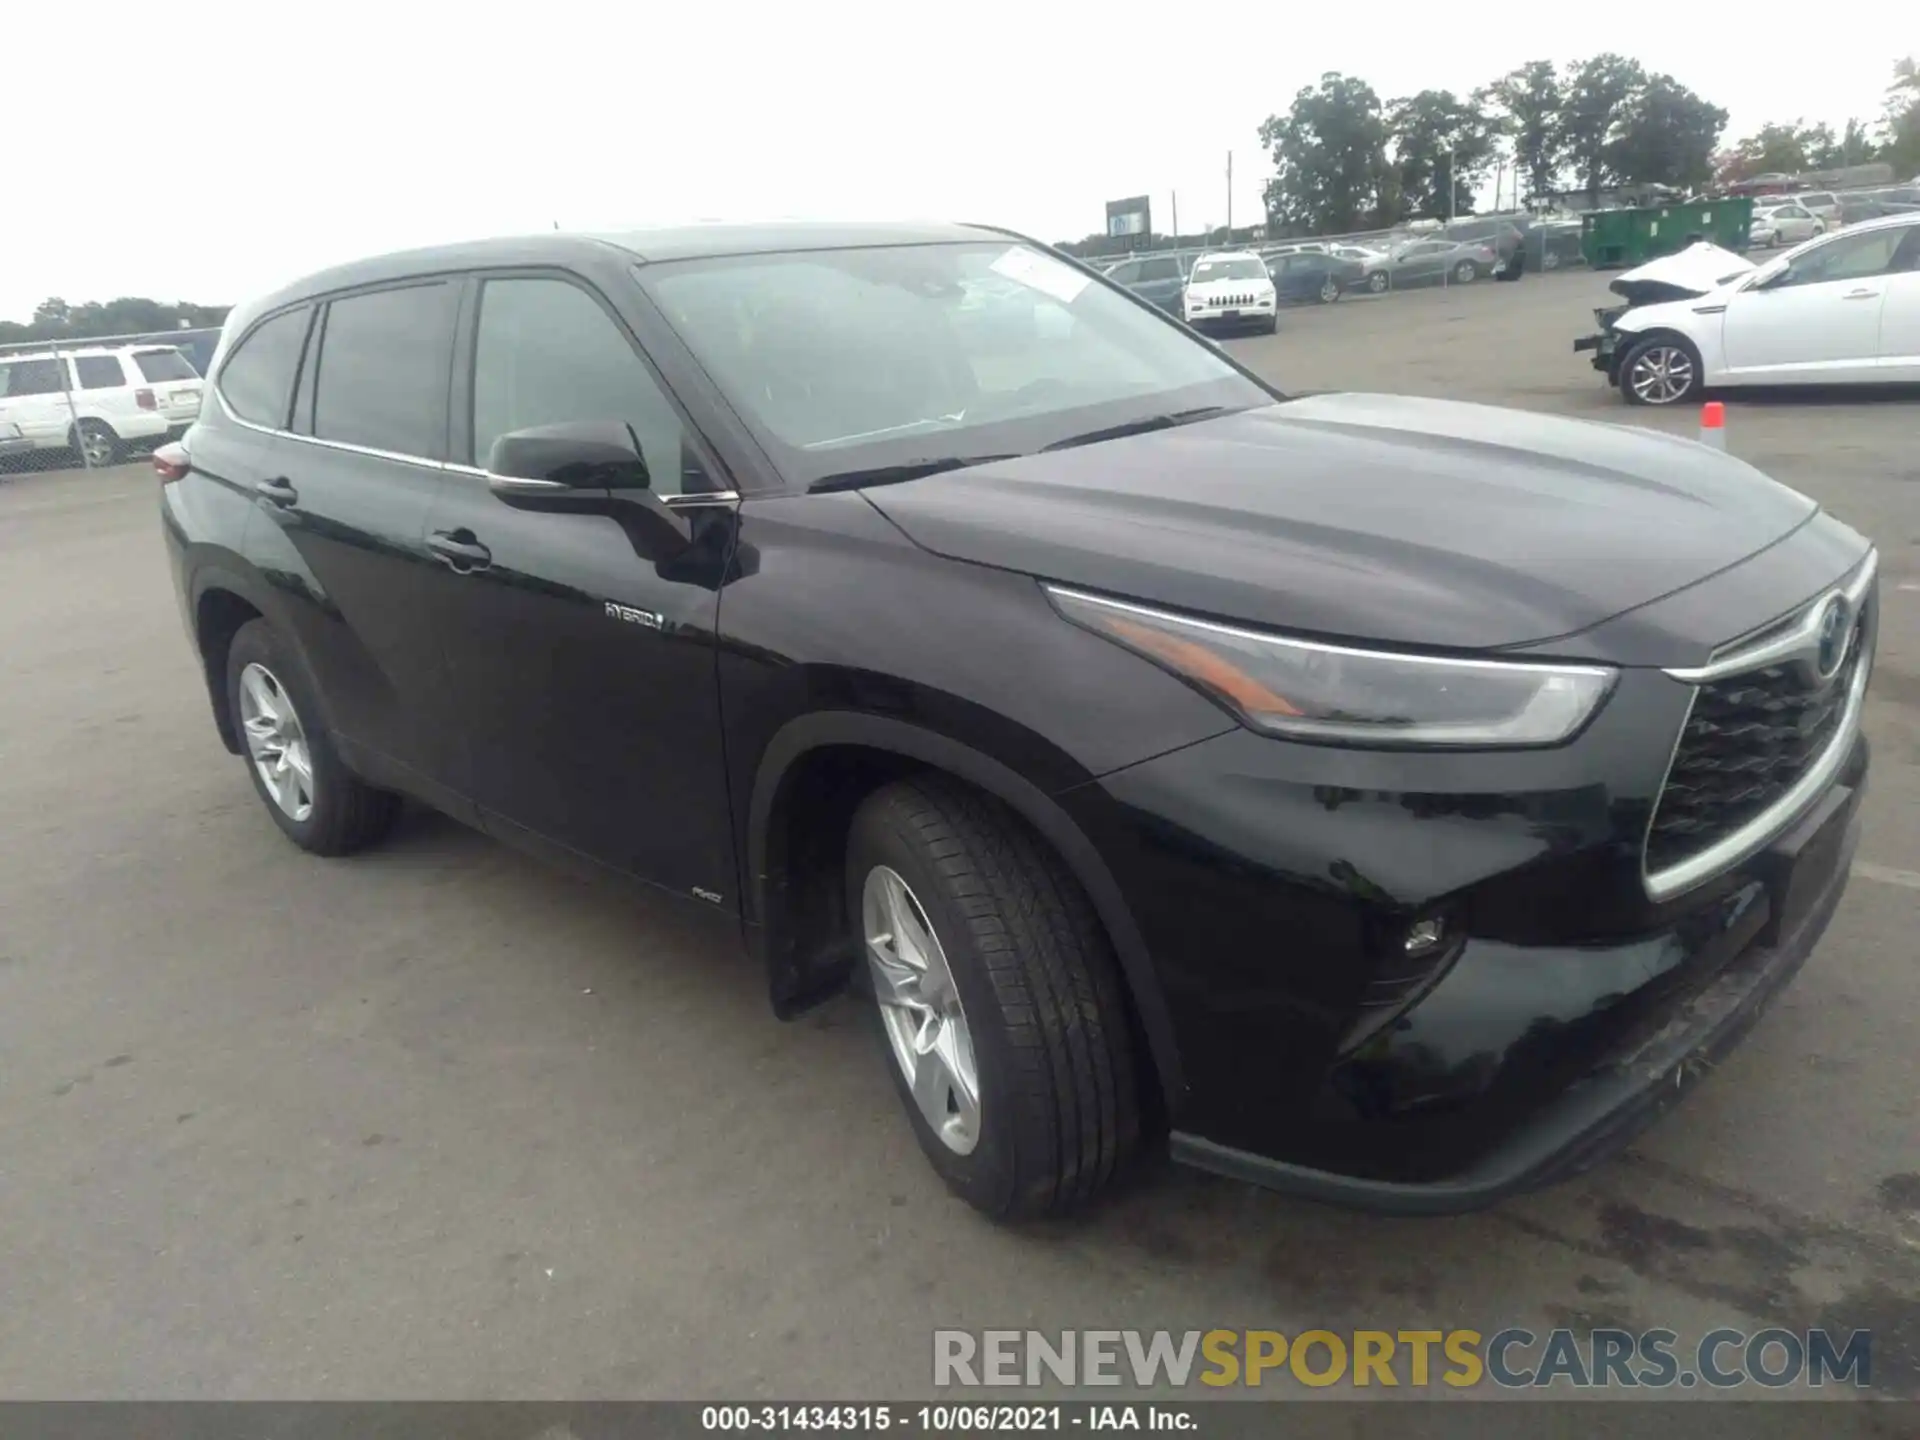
[{"x": 438, "y": 1122}]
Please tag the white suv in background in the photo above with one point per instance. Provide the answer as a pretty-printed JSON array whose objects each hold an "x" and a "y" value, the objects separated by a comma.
[
  {"x": 1230, "y": 290},
  {"x": 96, "y": 399}
]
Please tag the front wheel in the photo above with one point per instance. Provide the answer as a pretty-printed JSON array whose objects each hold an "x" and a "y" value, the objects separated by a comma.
[
  {"x": 1665, "y": 370},
  {"x": 997, "y": 998}
]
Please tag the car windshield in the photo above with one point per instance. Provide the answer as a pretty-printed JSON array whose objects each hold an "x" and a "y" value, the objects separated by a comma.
[
  {"x": 1239, "y": 268},
  {"x": 890, "y": 357}
]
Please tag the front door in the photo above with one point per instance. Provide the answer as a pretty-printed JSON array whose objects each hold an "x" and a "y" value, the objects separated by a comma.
[
  {"x": 33, "y": 395},
  {"x": 1819, "y": 319},
  {"x": 580, "y": 667}
]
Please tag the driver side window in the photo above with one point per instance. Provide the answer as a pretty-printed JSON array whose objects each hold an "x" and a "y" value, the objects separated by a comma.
[
  {"x": 546, "y": 353},
  {"x": 1851, "y": 257}
]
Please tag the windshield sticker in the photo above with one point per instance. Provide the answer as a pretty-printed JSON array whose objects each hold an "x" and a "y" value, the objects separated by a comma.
[{"x": 1038, "y": 272}]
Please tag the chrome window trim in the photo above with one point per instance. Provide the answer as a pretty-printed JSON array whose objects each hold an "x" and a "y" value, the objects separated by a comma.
[
  {"x": 1751, "y": 838},
  {"x": 446, "y": 467},
  {"x": 1794, "y": 639}
]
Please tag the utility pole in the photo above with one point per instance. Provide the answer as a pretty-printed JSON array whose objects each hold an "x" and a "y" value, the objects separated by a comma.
[
  {"x": 1229, "y": 197},
  {"x": 1451, "y": 187},
  {"x": 1176, "y": 219}
]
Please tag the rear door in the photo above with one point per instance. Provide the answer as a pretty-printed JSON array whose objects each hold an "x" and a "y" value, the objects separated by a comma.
[
  {"x": 1819, "y": 320},
  {"x": 580, "y": 665},
  {"x": 342, "y": 519}
]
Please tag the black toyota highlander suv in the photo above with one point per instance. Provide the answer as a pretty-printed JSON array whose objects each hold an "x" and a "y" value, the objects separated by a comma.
[{"x": 1388, "y": 799}]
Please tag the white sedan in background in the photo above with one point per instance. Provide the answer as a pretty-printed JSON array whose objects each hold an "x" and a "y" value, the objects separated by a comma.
[
  {"x": 1841, "y": 310},
  {"x": 1783, "y": 225}
]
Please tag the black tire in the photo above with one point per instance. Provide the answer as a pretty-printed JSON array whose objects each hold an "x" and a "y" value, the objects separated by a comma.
[
  {"x": 1273, "y": 325},
  {"x": 1634, "y": 394},
  {"x": 97, "y": 443},
  {"x": 346, "y": 814},
  {"x": 1036, "y": 976},
  {"x": 1378, "y": 281}
]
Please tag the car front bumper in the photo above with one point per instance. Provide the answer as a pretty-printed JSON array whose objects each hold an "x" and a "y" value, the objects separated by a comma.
[
  {"x": 1274, "y": 886},
  {"x": 1214, "y": 317}
]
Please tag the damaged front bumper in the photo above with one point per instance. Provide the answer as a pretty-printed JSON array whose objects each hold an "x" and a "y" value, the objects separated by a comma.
[{"x": 1605, "y": 345}]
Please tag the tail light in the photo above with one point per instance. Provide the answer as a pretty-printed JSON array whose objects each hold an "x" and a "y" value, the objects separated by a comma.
[
  {"x": 171, "y": 462},
  {"x": 144, "y": 399}
]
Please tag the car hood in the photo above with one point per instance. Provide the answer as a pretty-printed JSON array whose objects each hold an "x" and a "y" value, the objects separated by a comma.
[
  {"x": 1366, "y": 517},
  {"x": 1692, "y": 272}
]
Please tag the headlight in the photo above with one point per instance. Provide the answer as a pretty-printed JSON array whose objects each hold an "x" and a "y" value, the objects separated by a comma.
[{"x": 1309, "y": 691}]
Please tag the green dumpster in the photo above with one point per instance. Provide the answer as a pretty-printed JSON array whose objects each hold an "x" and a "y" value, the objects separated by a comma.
[{"x": 1615, "y": 239}]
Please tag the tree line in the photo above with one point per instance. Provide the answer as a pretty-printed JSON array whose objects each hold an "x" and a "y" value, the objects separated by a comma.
[
  {"x": 55, "y": 319},
  {"x": 1344, "y": 159}
]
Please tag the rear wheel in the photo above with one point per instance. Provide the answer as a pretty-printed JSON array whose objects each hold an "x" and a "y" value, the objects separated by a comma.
[
  {"x": 1465, "y": 272},
  {"x": 97, "y": 442},
  {"x": 1664, "y": 370},
  {"x": 1377, "y": 281},
  {"x": 1329, "y": 290},
  {"x": 997, "y": 997},
  {"x": 1549, "y": 261},
  {"x": 307, "y": 789}
]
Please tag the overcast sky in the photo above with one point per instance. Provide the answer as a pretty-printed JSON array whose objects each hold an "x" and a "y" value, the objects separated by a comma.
[{"x": 281, "y": 138}]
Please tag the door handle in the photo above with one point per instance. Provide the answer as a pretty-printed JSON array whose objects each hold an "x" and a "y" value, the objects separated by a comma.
[
  {"x": 1861, "y": 294},
  {"x": 460, "y": 550},
  {"x": 277, "y": 491}
]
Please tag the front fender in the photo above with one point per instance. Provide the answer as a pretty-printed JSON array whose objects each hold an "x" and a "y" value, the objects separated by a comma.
[{"x": 807, "y": 733}]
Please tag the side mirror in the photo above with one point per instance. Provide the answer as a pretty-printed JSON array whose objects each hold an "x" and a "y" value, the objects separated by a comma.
[
  {"x": 551, "y": 461},
  {"x": 589, "y": 467}
]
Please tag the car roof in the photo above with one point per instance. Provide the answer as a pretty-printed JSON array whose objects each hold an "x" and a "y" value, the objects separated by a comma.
[
  {"x": 678, "y": 242},
  {"x": 77, "y": 352},
  {"x": 1227, "y": 255}
]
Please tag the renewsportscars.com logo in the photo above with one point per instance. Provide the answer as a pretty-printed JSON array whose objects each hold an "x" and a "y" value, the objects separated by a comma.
[{"x": 1513, "y": 1358}]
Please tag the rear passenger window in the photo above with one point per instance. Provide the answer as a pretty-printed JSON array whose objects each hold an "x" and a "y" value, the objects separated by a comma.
[
  {"x": 163, "y": 365},
  {"x": 99, "y": 372},
  {"x": 384, "y": 360},
  {"x": 545, "y": 353},
  {"x": 257, "y": 379}
]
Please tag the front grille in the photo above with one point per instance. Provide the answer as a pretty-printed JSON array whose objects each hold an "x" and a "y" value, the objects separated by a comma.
[{"x": 1748, "y": 739}]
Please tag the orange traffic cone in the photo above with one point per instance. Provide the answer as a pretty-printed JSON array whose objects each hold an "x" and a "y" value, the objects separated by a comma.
[{"x": 1713, "y": 425}]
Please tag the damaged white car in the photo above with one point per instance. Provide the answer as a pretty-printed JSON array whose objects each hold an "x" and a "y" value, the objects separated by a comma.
[{"x": 1843, "y": 309}]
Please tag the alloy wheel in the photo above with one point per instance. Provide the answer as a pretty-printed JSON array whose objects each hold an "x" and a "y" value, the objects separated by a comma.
[
  {"x": 96, "y": 445},
  {"x": 1661, "y": 374},
  {"x": 920, "y": 1008},
  {"x": 1329, "y": 292},
  {"x": 276, "y": 742}
]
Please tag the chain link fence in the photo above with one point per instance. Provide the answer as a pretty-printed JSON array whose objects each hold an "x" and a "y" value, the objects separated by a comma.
[{"x": 98, "y": 402}]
